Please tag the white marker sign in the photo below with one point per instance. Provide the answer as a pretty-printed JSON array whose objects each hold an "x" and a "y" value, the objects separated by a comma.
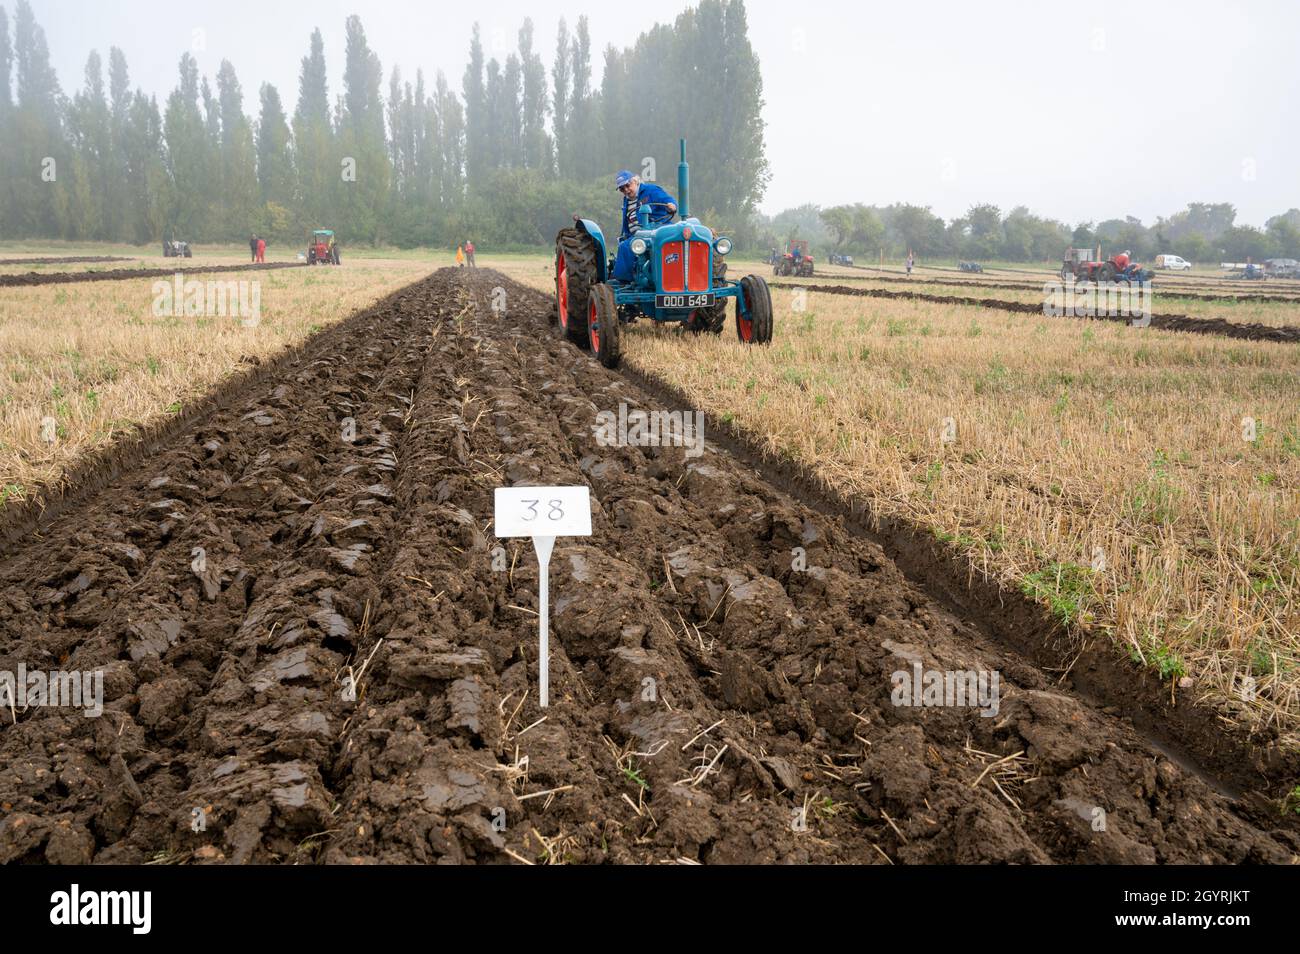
[{"x": 543, "y": 513}]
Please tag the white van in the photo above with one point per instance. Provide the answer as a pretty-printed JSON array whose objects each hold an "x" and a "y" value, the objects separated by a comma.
[{"x": 1175, "y": 262}]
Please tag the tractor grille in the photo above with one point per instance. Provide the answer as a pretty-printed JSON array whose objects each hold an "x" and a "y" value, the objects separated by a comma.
[
  {"x": 697, "y": 268},
  {"x": 680, "y": 271},
  {"x": 673, "y": 267}
]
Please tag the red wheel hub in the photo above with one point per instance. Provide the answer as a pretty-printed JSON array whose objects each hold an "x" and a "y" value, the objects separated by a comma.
[
  {"x": 593, "y": 326},
  {"x": 746, "y": 325}
]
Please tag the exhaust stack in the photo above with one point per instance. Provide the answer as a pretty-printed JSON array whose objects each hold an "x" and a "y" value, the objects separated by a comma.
[{"x": 683, "y": 186}]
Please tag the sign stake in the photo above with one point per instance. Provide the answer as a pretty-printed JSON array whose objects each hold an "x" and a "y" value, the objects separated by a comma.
[
  {"x": 544, "y": 546},
  {"x": 543, "y": 513}
]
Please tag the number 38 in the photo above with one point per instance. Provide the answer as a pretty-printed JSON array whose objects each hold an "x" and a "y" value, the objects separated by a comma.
[{"x": 555, "y": 509}]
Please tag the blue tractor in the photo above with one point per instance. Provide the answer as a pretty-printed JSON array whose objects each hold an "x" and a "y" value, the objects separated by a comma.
[{"x": 680, "y": 276}]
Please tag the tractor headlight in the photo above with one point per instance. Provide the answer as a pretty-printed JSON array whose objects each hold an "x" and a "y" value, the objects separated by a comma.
[
  {"x": 722, "y": 245},
  {"x": 639, "y": 246}
]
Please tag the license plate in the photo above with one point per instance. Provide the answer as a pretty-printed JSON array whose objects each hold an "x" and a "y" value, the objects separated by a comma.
[{"x": 683, "y": 301}]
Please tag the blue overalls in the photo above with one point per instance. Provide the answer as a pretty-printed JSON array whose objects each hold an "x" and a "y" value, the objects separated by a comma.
[{"x": 625, "y": 260}]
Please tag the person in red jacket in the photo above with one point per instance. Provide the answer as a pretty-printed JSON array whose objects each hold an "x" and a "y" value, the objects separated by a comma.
[
  {"x": 469, "y": 254},
  {"x": 261, "y": 250}
]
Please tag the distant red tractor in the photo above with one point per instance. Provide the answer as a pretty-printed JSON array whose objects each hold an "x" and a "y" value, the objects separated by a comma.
[
  {"x": 795, "y": 261},
  {"x": 323, "y": 250},
  {"x": 1117, "y": 268}
]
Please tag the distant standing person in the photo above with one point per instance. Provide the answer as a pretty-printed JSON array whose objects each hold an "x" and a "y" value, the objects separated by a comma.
[
  {"x": 261, "y": 250},
  {"x": 469, "y": 254},
  {"x": 460, "y": 256},
  {"x": 910, "y": 261},
  {"x": 252, "y": 246}
]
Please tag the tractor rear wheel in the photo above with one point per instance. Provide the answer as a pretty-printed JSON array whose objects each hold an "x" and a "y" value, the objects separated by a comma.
[
  {"x": 575, "y": 274},
  {"x": 602, "y": 325},
  {"x": 754, "y": 321},
  {"x": 335, "y": 255}
]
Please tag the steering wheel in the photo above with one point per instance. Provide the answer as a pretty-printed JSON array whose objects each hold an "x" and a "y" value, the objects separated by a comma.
[{"x": 662, "y": 218}]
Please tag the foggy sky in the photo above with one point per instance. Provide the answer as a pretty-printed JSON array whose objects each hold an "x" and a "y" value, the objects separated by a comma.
[{"x": 1080, "y": 111}]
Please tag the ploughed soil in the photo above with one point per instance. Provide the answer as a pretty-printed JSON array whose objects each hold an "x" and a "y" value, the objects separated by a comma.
[
  {"x": 713, "y": 698},
  {"x": 119, "y": 274},
  {"x": 1170, "y": 289},
  {"x": 1249, "y": 331},
  {"x": 64, "y": 260}
]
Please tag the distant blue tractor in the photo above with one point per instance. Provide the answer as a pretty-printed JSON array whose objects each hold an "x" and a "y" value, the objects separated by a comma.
[{"x": 679, "y": 276}]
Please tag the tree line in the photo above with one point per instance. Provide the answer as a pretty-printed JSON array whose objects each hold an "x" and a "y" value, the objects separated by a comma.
[
  {"x": 1203, "y": 232},
  {"x": 506, "y": 159}
]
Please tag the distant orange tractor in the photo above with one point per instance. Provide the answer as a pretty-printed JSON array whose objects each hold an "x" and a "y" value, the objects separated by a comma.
[{"x": 795, "y": 261}]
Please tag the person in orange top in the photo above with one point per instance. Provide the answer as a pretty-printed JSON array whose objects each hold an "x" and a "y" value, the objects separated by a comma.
[
  {"x": 261, "y": 250},
  {"x": 460, "y": 256}
]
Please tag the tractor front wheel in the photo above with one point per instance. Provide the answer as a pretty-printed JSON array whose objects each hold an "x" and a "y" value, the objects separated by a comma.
[
  {"x": 602, "y": 325},
  {"x": 754, "y": 319},
  {"x": 575, "y": 274}
]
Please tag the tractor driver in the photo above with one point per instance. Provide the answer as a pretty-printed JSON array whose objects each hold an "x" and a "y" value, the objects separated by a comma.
[{"x": 636, "y": 194}]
